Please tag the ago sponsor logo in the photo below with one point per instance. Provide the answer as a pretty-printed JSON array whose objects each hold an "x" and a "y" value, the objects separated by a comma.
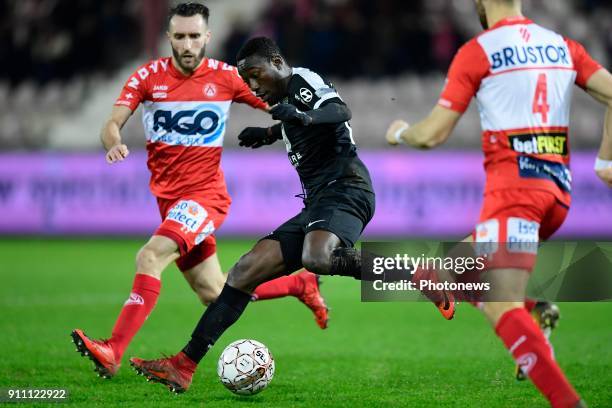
[
  {"x": 186, "y": 125},
  {"x": 189, "y": 214},
  {"x": 539, "y": 144}
]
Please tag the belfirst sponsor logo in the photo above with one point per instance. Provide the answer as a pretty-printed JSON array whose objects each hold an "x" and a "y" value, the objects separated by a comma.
[
  {"x": 511, "y": 57},
  {"x": 539, "y": 144}
]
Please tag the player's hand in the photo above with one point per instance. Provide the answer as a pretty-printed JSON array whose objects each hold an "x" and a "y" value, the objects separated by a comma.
[
  {"x": 605, "y": 175},
  {"x": 255, "y": 137},
  {"x": 117, "y": 153},
  {"x": 394, "y": 131},
  {"x": 289, "y": 113}
]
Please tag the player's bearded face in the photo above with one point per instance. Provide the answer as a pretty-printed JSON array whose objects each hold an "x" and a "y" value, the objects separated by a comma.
[
  {"x": 188, "y": 38},
  {"x": 187, "y": 60},
  {"x": 482, "y": 14}
]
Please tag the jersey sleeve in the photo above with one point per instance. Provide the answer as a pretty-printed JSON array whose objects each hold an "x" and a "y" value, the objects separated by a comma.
[
  {"x": 584, "y": 64},
  {"x": 465, "y": 74},
  {"x": 310, "y": 90},
  {"x": 243, "y": 94},
  {"x": 133, "y": 92}
]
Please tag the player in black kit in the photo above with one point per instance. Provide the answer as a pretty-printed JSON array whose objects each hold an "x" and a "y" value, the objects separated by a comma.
[{"x": 338, "y": 199}]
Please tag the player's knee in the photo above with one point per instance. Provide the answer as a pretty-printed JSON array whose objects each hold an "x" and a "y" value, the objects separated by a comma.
[
  {"x": 316, "y": 261},
  {"x": 145, "y": 258},
  {"x": 148, "y": 260},
  {"x": 207, "y": 295},
  {"x": 243, "y": 275}
]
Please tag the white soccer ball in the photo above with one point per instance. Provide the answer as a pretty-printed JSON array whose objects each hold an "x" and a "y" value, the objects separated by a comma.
[{"x": 246, "y": 367}]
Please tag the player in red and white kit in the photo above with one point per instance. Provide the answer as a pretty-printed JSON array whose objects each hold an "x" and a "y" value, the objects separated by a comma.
[
  {"x": 186, "y": 100},
  {"x": 522, "y": 76}
]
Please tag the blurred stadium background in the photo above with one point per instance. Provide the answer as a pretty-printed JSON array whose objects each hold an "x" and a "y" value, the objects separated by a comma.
[{"x": 64, "y": 63}]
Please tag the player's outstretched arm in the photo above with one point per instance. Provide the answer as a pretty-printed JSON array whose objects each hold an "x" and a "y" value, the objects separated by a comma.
[
  {"x": 599, "y": 86},
  {"x": 428, "y": 133},
  {"x": 111, "y": 136},
  {"x": 329, "y": 113}
]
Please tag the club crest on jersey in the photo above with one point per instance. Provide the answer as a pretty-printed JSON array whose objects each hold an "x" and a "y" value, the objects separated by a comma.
[
  {"x": 189, "y": 214},
  {"x": 209, "y": 90},
  {"x": 305, "y": 95}
]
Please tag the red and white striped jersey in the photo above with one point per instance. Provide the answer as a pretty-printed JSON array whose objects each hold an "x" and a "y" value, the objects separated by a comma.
[
  {"x": 522, "y": 76},
  {"x": 184, "y": 120}
]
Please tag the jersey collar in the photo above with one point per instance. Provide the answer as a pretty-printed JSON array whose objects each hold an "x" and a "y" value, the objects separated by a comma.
[{"x": 512, "y": 21}]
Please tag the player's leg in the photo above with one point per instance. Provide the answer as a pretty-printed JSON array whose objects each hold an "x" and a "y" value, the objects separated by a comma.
[
  {"x": 530, "y": 304},
  {"x": 319, "y": 246},
  {"x": 517, "y": 216},
  {"x": 333, "y": 223},
  {"x": 303, "y": 285},
  {"x": 203, "y": 272},
  {"x": 523, "y": 337},
  {"x": 151, "y": 260},
  {"x": 206, "y": 279},
  {"x": 264, "y": 262}
]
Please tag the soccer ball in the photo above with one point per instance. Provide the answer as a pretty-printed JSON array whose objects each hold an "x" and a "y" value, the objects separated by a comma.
[{"x": 246, "y": 367}]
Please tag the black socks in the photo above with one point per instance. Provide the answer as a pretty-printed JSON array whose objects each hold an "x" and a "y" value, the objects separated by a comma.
[
  {"x": 217, "y": 318},
  {"x": 346, "y": 262}
]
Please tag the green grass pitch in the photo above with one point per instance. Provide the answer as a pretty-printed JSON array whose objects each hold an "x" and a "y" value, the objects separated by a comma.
[{"x": 373, "y": 354}]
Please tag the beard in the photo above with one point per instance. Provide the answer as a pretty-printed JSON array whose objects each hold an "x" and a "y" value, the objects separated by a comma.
[
  {"x": 196, "y": 59},
  {"x": 482, "y": 15}
]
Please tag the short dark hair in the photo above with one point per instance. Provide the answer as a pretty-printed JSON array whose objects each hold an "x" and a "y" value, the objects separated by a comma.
[
  {"x": 262, "y": 46},
  {"x": 188, "y": 10}
]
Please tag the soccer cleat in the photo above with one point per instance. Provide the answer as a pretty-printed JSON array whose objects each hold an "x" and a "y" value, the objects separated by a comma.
[
  {"x": 448, "y": 306},
  {"x": 546, "y": 315},
  {"x": 98, "y": 351},
  {"x": 174, "y": 372},
  {"x": 311, "y": 297}
]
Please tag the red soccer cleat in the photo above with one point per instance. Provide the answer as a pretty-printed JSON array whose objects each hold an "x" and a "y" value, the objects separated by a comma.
[
  {"x": 174, "y": 372},
  {"x": 98, "y": 351},
  {"x": 447, "y": 307},
  {"x": 311, "y": 297}
]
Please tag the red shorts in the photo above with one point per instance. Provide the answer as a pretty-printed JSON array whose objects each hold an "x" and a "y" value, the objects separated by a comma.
[
  {"x": 191, "y": 222},
  {"x": 511, "y": 224}
]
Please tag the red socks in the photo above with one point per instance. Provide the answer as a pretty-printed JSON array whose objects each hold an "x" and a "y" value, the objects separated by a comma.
[
  {"x": 290, "y": 285},
  {"x": 530, "y": 304},
  {"x": 531, "y": 351},
  {"x": 135, "y": 311}
]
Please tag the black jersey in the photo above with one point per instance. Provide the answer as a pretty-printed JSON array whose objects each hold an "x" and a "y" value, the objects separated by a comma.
[{"x": 326, "y": 153}]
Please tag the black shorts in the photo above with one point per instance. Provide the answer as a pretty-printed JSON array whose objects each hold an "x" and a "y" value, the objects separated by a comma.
[{"x": 343, "y": 210}]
